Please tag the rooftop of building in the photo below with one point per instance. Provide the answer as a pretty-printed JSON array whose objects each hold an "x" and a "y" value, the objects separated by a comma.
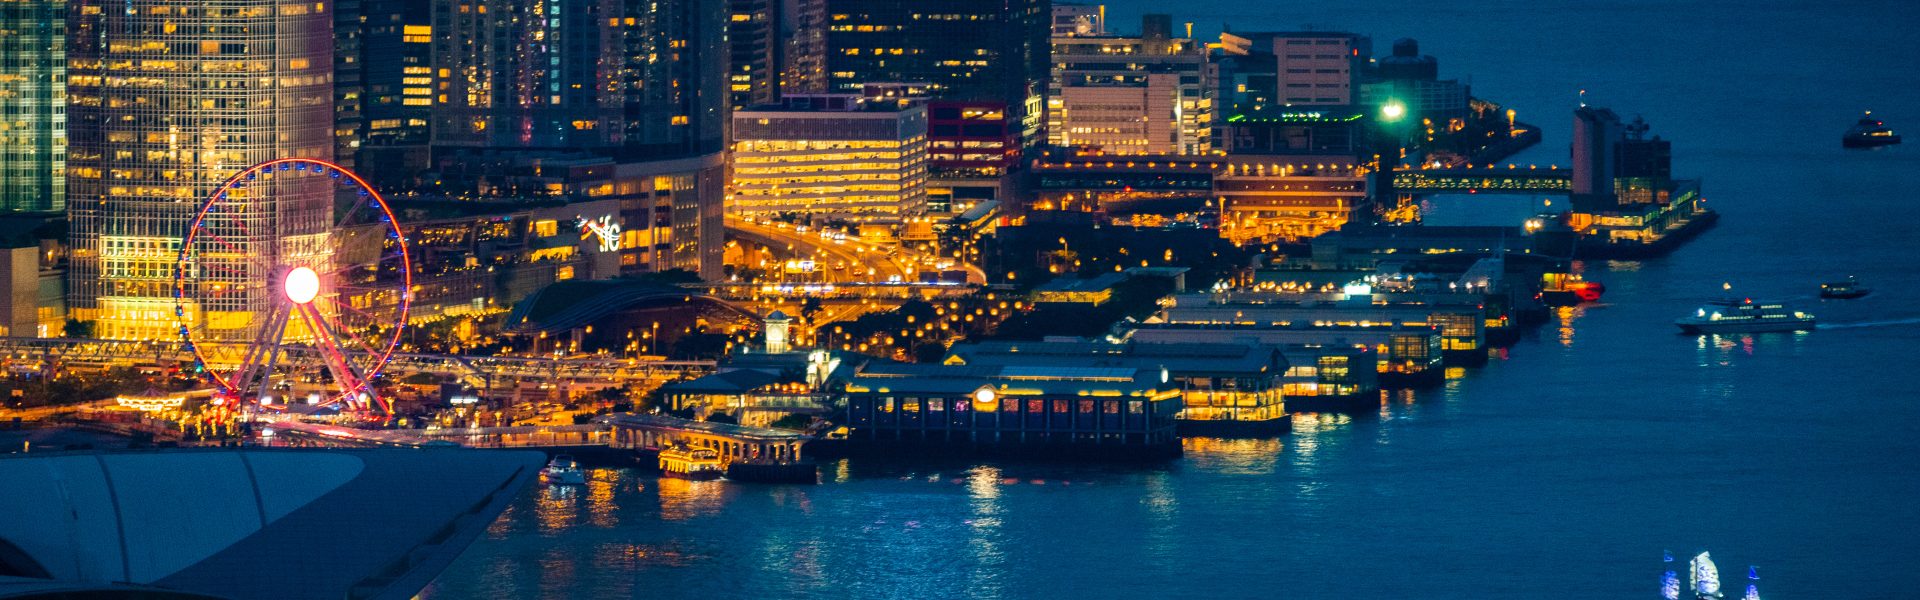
[
  {"x": 1177, "y": 357},
  {"x": 223, "y": 522},
  {"x": 739, "y": 432},
  {"x": 888, "y": 377}
]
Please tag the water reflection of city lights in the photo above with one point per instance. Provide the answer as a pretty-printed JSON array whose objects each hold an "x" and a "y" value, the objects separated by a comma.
[{"x": 681, "y": 499}]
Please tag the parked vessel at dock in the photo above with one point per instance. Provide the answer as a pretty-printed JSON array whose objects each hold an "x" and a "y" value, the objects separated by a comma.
[
  {"x": 563, "y": 470},
  {"x": 698, "y": 464},
  {"x": 1569, "y": 289}
]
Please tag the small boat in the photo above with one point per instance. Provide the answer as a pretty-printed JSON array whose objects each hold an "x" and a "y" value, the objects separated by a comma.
[
  {"x": 1744, "y": 316},
  {"x": 1705, "y": 578},
  {"x": 1869, "y": 133},
  {"x": 1570, "y": 289},
  {"x": 562, "y": 470},
  {"x": 1844, "y": 290},
  {"x": 698, "y": 464}
]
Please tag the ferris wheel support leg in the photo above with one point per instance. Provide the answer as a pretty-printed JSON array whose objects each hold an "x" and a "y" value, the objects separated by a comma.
[
  {"x": 344, "y": 374},
  {"x": 258, "y": 361}
]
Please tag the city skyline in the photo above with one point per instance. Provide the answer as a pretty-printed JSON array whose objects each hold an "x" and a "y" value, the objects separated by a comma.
[{"x": 891, "y": 298}]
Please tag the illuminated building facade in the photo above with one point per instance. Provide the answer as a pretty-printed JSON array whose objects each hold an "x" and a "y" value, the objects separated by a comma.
[
  {"x": 972, "y": 50},
  {"x": 1292, "y": 174},
  {"x": 973, "y": 147},
  {"x": 1079, "y": 19},
  {"x": 1096, "y": 184},
  {"x": 383, "y": 86},
  {"x": 803, "y": 32},
  {"x": 753, "y": 31},
  {"x": 831, "y": 157},
  {"x": 631, "y": 76},
  {"x": 167, "y": 101},
  {"x": 1413, "y": 79},
  {"x": 33, "y": 102},
  {"x": 1267, "y": 199},
  {"x": 1311, "y": 68},
  {"x": 1150, "y": 94},
  {"x": 1219, "y": 382},
  {"x": 1405, "y": 355},
  {"x": 1058, "y": 408},
  {"x": 661, "y": 219}
]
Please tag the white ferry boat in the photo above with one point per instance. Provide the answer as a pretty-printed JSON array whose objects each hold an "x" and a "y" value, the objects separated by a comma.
[{"x": 1744, "y": 316}]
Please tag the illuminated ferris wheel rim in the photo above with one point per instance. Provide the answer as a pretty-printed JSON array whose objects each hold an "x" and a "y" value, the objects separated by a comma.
[{"x": 294, "y": 289}]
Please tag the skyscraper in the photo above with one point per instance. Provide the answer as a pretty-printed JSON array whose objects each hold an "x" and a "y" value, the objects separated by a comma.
[
  {"x": 33, "y": 99},
  {"x": 754, "y": 33},
  {"x": 833, "y": 157},
  {"x": 803, "y": 34},
  {"x": 638, "y": 81},
  {"x": 168, "y": 99},
  {"x": 383, "y": 86},
  {"x": 637, "y": 76},
  {"x": 1146, "y": 94},
  {"x": 966, "y": 50}
]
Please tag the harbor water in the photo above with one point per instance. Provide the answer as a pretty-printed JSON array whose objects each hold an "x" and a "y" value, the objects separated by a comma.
[{"x": 1563, "y": 468}]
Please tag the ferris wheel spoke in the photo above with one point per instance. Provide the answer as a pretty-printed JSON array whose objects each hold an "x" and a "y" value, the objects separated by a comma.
[{"x": 327, "y": 343}]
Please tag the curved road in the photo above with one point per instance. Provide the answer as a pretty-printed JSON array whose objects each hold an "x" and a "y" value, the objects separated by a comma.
[{"x": 878, "y": 266}]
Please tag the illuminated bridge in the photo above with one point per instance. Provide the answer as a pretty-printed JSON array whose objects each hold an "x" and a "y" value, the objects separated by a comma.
[{"x": 1512, "y": 179}]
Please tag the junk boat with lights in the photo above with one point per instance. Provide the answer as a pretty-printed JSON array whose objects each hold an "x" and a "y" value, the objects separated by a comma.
[
  {"x": 698, "y": 464},
  {"x": 1569, "y": 289},
  {"x": 563, "y": 471},
  {"x": 1704, "y": 577},
  {"x": 1844, "y": 290},
  {"x": 1744, "y": 316},
  {"x": 1869, "y": 133}
]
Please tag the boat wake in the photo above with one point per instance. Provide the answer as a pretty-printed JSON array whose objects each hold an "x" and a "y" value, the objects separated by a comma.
[{"x": 1889, "y": 323}]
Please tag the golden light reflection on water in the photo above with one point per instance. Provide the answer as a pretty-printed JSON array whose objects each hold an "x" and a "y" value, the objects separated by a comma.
[
  {"x": 983, "y": 486},
  {"x": 1234, "y": 456},
  {"x": 601, "y": 485},
  {"x": 681, "y": 499},
  {"x": 555, "y": 510},
  {"x": 1564, "y": 318}
]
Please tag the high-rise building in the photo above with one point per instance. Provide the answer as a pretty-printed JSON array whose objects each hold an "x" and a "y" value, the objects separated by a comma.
[
  {"x": 1079, "y": 19},
  {"x": 803, "y": 35},
  {"x": 1615, "y": 164},
  {"x": 1312, "y": 68},
  {"x": 33, "y": 101},
  {"x": 633, "y": 76},
  {"x": 754, "y": 33},
  {"x": 831, "y": 157},
  {"x": 1146, "y": 94},
  {"x": 383, "y": 86},
  {"x": 1414, "y": 79},
  {"x": 642, "y": 82},
  {"x": 965, "y": 50},
  {"x": 167, "y": 100}
]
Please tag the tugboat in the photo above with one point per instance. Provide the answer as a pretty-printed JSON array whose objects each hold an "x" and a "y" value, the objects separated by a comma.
[
  {"x": 1569, "y": 289},
  {"x": 1844, "y": 290},
  {"x": 1744, "y": 316},
  {"x": 563, "y": 471},
  {"x": 1869, "y": 133},
  {"x": 698, "y": 464}
]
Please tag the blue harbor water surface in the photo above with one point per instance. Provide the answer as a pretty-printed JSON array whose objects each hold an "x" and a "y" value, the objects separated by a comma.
[{"x": 1562, "y": 469}]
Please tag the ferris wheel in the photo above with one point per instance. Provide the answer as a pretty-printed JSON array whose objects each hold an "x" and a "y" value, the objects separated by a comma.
[{"x": 294, "y": 268}]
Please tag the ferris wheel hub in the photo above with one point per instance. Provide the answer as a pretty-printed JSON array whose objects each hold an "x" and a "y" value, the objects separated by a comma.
[{"x": 302, "y": 285}]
